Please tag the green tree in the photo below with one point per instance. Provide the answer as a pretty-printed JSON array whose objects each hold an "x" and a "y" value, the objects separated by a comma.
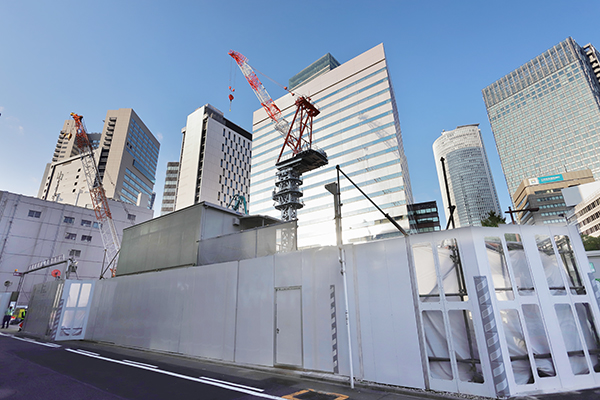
[
  {"x": 493, "y": 219},
  {"x": 590, "y": 242}
]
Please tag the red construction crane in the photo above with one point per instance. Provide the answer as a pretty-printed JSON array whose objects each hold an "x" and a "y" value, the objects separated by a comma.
[
  {"x": 297, "y": 137},
  {"x": 108, "y": 232}
]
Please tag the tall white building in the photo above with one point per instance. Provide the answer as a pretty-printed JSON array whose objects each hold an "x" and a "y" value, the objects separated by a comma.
[
  {"x": 126, "y": 153},
  {"x": 358, "y": 127},
  {"x": 470, "y": 180},
  {"x": 33, "y": 230},
  {"x": 170, "y": 189},
  {"x": 214, "y": 164}
]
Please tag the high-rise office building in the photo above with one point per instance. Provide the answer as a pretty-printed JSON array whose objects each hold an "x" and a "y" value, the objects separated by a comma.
[
  {"x": 358, "y": 127},
  {"x": 170, "y": 189},
  {"x": 126, "y": 153},
  {"x": 214, "y": 165},
  {"x": 468, "y": 175},
  {"x": 545, "y": 115}
]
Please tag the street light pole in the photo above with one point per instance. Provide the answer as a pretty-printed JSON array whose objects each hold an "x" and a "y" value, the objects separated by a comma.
[{"x": 511, "y": 211}]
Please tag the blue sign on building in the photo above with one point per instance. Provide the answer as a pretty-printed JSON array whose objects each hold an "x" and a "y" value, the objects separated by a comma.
[{"x": 551, "y": 178}]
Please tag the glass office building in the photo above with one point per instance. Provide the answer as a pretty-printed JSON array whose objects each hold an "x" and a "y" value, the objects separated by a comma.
[
  {"x": 470, "y": 181},
  {"x": 545, "y": 115},
  {"x": 359, "y": 129}
]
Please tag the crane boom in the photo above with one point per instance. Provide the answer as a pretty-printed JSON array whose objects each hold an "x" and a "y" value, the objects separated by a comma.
[
  {"x": 287, "y": 194},
  {"x": 265, "y": 99},
  {"x": 108, "y": 232}
]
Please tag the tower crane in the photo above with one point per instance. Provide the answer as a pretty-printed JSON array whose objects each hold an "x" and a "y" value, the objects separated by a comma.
[
  {"x": 108, "y": 232},
  {"x": 297, "y": 137}
]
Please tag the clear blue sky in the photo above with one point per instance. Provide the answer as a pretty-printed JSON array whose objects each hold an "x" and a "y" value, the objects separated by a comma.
[{"x": 165, "y": 59}]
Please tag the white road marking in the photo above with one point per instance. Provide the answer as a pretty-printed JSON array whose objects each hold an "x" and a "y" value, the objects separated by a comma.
[
  {"x": 36, "y": 342},
  {"x": 88, "y": 352},
  {"x": 139, "y": 363},
  {"x": 190, "y": 378},
  {"x": 233, "y": 384}
]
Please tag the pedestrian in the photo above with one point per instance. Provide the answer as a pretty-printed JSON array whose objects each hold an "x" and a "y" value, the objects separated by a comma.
[{"x": 7, "y": 316}]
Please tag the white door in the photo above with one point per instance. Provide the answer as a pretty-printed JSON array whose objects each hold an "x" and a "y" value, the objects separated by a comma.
[{"x": 288, "y": 326}]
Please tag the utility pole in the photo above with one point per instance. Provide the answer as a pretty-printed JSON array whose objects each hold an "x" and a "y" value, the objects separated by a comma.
[
  {"x": 451, "y": 207},
  {"x": 334, "y": 189}
]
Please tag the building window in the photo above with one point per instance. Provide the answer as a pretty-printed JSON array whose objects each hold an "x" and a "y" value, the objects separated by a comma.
[
  {"x": 85, "y": 222},
  {"x": 75, "y": 253},
  {"x": 34, "y": 214},
  {"x": 86, "y": 238},
  {"x": 95, "y": 225},
  {"x": 70, "y": 236},
  {"x": 69, "y": 220},
  {"x": 131, "y": 217}
]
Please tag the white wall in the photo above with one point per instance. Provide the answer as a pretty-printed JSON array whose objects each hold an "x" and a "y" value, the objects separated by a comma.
[
  {"x": 27, "y": 240},
  {"x": 230, "y": 312}
]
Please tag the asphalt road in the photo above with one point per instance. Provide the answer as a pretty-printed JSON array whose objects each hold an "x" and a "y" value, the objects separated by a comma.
[{"x": 32, "y": 369}]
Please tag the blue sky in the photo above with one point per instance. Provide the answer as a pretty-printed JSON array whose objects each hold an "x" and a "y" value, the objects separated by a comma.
[{"x": 165, "y": 59}]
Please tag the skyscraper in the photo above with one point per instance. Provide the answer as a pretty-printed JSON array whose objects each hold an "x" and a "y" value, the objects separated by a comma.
[
  {"x": 170, "y": 189},
  {"x": 545, "y": 115},
  {"x": 358, "y": 127},
  {"x": 126, "y": 154},
  {"x": 214, "y": 165},
  {"x": 470, "y": 180}
]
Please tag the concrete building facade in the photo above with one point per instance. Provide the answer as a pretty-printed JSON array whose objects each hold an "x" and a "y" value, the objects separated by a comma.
[
  {"x": 584, "y": 207},
  {"x": 470, "y": 180},
  {"x": 214, "y": 165},
  {"x": 33, "y": 230},
  {"x": 170, "y": 189},
  {"x": 359, "y": 129},
  {"x": 126, "y": 153},
  {"x": 545, "y": 115},
  {"x": 424, "y": 217},
  {"x": 545, "y": 193}
]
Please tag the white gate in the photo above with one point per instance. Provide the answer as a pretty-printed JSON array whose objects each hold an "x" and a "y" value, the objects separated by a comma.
[{"x": 76, "y": 299}]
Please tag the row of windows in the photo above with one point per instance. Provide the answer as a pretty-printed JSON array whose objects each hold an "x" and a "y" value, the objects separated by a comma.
[
  {"x": 84, "y": 222},
  {"x": 554, "y": 221},
  {"x": 73, "y": 236},
  {"x": 588, "y": 208},
  {"x": 423, "y": 211},
  {"x": 316, "y": 102},
  {"x": 591, "y": 218},
  {"x": 339, "y": 142},
  {"x": 547, "y": 214},
  {"x": 553, "y": 205},
  {"x": 71, "y": 220},
  {"x": 550, "y": 198},
  {"x": 324, "y": 170}
]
